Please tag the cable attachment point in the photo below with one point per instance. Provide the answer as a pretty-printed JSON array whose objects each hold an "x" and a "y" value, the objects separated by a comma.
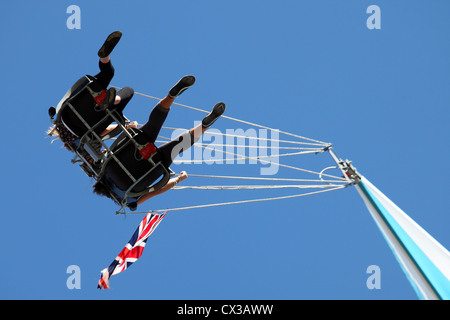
[{"x": 350, "y": 171}]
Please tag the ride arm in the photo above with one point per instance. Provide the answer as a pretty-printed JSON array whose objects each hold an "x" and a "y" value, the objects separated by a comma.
[{"x": 169, "y": 185}]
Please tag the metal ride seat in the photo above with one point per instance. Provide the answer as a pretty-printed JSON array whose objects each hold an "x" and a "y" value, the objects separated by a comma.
[
  {"x": 128, "y": 144},
  {"x": 81, "y": 108}
]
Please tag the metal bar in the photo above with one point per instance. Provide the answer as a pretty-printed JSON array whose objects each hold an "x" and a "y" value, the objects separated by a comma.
[{"x": 339, "y": 162}]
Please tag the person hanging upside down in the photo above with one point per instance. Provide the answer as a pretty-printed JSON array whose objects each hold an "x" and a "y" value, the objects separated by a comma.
[
  {"x": 70, "y": 128},
  {"x": 117, "y": 181}
]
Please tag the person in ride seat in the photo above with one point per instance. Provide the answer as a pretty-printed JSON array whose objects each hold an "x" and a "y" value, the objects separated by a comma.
[
  {"x": 70, "y": 128},
  {"x": 117, "y": 181}
]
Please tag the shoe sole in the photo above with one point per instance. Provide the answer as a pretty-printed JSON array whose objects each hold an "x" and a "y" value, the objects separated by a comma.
[
  {"x": 109, "y": 44},
  {"x": 186, "y": 82},
  {"x": 215, "y": 114}
]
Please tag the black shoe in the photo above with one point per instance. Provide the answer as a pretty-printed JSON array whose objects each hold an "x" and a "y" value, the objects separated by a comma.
[
  {"x": 216, "y": 112},
  {"x": 109, "y": 44},
  {"x": 181, "y": 86}
]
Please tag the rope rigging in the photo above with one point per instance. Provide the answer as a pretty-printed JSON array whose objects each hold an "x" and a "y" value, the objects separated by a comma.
[{"x": 297, "y": 145}]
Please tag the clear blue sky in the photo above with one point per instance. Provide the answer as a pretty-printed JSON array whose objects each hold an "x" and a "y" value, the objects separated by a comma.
[{"x": 308, "y": 67}]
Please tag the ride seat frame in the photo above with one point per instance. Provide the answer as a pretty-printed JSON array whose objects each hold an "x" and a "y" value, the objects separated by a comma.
[{"x": 92, "y": 151}]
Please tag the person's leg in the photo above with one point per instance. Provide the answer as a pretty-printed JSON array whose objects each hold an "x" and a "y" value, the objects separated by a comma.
[
  {"x": 160, "y": 111},
  {"x": 106, "y": 73},
  {"x": 104, "y": 77},
  {"x": 172, "y": 149},
  {"x": 123, "y": 96},
  {"x": 156, "y": 119},
  {"x": 101, "y": 82}
]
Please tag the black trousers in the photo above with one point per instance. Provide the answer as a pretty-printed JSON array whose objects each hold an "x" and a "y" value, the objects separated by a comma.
[
  {"x": 171, "y": 149},
  {"x": 104, "y": 78}
]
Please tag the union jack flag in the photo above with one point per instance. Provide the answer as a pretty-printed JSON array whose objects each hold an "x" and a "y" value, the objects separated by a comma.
[{"x": 133, "y": 250}]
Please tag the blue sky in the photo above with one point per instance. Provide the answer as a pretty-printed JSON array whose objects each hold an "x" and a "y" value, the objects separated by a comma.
[{"x": 308, "y": 67}]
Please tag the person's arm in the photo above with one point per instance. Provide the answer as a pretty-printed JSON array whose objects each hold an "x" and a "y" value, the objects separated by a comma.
[
  {"x": 111, "y": 127},
  {"x": 172, "y": 182}
]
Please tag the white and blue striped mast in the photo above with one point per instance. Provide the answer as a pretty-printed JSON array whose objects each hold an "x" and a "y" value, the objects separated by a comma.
[{"x": 425, "y": 261}]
